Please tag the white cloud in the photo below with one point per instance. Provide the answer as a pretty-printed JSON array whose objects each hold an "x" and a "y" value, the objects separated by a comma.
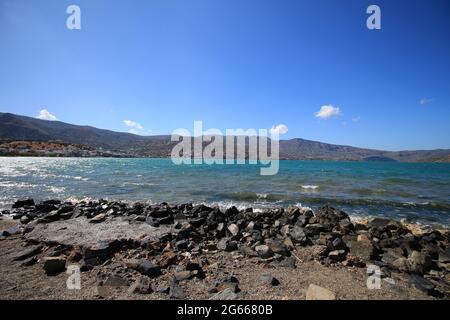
[
  {"x": 356, "y": 119},
  {"x": 425, "y": 101},
  {"x": 328, "y": 111},
  {"x": 135, "y": 127},
  {"x": 133, "y": 124},
  {"x": 45, "y": 115},
  {"x": 279, "y": 129}
]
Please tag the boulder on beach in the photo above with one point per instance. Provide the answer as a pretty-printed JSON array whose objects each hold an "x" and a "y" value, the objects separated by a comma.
[{"x": 315, "y": 292}]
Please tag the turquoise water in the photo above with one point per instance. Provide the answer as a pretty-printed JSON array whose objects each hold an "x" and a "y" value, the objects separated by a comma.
[{"x": 417, "y": 191}]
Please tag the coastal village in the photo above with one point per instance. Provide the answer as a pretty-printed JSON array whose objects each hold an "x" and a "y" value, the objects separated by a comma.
[{"x": 54, "y": 149}]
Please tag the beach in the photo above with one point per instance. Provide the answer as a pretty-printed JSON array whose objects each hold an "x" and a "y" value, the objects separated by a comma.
[{"x": 182, "y": 251}]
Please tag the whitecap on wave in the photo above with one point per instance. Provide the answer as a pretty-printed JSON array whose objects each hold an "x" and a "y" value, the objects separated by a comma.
[
  {"x": 310, "y": 187},
  {"x": 19, "y": 185},
  {"x": 81, "y": 178},
  {"x": 56, "y": 189}
]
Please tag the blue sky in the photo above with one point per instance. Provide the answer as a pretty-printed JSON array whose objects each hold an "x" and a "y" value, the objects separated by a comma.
[{"x": 235, "y": 64}]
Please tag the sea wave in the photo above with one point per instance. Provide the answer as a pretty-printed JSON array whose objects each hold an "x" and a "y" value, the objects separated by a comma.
[
  {"x": 310, "y": 187},
  {"x": 382, "y": 192},
  {"x": 241, "y": 205},
  {"x": 56, "y": 190},
  {"x": 77, "y": 199},
  {"x": 81, "y": 178},
  {"x": 397, "y": 180},
  {"x": 142, "y": 184},
  {"x": 253, "y": 196},
  {"x": 379, "y": 202},
  {"x": 19, "y": 185}
]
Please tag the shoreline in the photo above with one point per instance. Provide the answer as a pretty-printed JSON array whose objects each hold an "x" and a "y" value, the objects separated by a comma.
[
  {"x": 128, "y": 250},
  {"x": 168, "y": 157},
  {"x": 242, "y": 205}
]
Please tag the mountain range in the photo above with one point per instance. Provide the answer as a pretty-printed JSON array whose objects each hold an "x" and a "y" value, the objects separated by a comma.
[{"x": 21, "y": 128}]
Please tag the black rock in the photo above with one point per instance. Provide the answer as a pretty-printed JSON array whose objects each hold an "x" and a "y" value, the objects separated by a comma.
[
  {"x": 230, "y": 279},
  {"x": 302, "y": 221},
  {"x": 95, "y": 255},
  {"x": 148, "y": 268},
  {"x": 28, "y": 252},
  {"x": 52, "y": 202},
  {"x": 54, "y": 252},
  {"x": 152, "y": 221},
  {"x": 231, "y": 212},
  {"x": 298, "y": 235},
  {"x": 327, "y": 215},
  {"x": 193, "y": 266},
  {"x": 25, "y": 220},
  {"x": 277, "y": 247},
  {"x": 200, "y": 208},
  {"x": 221, "y": 229},
  {"x": 16, "y": 215},
  {"x": 196, "y": 270},
  {"x": 197, "y": 222},
  {"x": 186, "y": 232},
  {"x": 252, "y": 226},
  {"x": 227, "y": 245},
  {"x": 54, "y": 265},
  {"x": 52, "y": 216},
  {"x": 29, "y": 262},
  {"x": 23, "y": 203},
  {"x": 432, "y": 237},
  {"x": 423, "y": 285},
  {"x": 430, "y": 250},
  {"x": 45, "y": 208},
  {"x": 444, "y": 255},
  {"x": 65, "y": 209},
  {"x": 77, "y": 212},
  {"x": 166, "y": 220},
  {"x": 161, "y": 213},
  {"x": 314, "y": 229},
  {"x": 288, "y": 262},
  {"x": 346, "y": 226},
  {"x": 337, "y": 244},
  {"x": 181, "y": 245},
  {"x": 268, "y": 279}
]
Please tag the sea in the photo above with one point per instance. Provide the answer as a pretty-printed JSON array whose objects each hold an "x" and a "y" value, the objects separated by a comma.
[{"x": 417, "y": 192}]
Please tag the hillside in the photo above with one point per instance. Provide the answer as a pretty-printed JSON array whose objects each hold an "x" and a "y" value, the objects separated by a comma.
[{"x": 20, "y": 128}]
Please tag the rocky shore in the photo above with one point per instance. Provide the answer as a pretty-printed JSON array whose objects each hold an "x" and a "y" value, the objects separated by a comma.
[{"x": 142, "y": 251}]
